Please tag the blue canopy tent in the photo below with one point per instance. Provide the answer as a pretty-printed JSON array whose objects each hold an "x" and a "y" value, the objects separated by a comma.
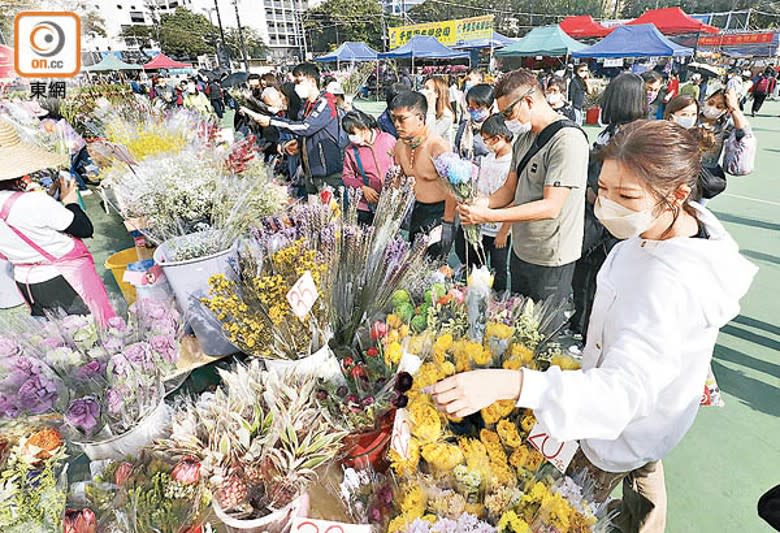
[
  {"x": 548, "y": 41},
  {"x": 423, "y": 47},
  {"x": 351, "y": 52},
  {"x": 497, "y": 41},
  {"x": 642, "y": 40}
]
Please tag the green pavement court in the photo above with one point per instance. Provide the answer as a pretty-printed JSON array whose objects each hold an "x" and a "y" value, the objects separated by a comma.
[{"x": 731, "y": 455}]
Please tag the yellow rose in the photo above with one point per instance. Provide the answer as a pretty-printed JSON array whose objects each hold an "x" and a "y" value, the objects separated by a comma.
[
  {"x": 442, "y": 456},
  {"x": 508, "y": 433},
  {"x": 393, "y": 353},
  {"x": 426, "y": 422}
]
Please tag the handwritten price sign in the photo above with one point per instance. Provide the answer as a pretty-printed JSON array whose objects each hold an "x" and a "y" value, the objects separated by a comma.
[
  {"x": 402, "y": 433},
  {"x": 310, "y": 525},
  {"x": 303, "y": 295},
  {"x": 559, "y": 454}
]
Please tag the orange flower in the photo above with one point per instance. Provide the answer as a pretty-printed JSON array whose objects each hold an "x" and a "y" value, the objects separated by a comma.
[{"x": 45, "y": 441}]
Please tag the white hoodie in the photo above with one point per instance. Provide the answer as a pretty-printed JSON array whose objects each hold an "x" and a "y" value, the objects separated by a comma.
[{"x": 656, "y": 315}]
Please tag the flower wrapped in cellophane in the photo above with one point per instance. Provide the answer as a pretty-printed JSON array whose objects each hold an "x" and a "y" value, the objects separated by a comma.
[
  {"x": 459, "y": 178},
  {"x": 102, "y": 381},
  {"x": 33, "y": 482},
  {"x": 259, "y": 438},
  {"x": 149, "y": 493}
]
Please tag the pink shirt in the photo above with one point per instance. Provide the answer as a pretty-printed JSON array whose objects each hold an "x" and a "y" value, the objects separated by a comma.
[{"x": 376, "y": 159}]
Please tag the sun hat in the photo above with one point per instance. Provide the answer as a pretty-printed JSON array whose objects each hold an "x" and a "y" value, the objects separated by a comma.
[{"x": 18, "y": 158}]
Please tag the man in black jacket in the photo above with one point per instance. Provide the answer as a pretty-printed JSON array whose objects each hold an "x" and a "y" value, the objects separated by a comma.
[
  {"x": 319, "y": 137},
  {"x": 578, "y": 89}
]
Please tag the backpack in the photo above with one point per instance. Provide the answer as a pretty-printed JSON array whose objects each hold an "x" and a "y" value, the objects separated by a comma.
[{"x": 762, "y": 86}]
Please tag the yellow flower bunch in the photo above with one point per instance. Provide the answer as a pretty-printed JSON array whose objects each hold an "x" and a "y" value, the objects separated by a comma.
[
  {"x": 520, "y": 356},
  {"x": 528, "y": 422},
  {"x": 442, "y": 456},
  {"x": 450, "y": 505},
  {"x": 406, "y": 466},
  {"x": 493, "y": 446},
  {"x": 393, "y": 353},
  {"x": 426, "y": 421},
  {"x": 500, "y": 499},
  {"x": 502, "y": 474},
  {"x": 532, "y": 499},
  {"x": 496, "y": 411},
  {"x": 413, "y": 500},
  {"x": 498, "y": 330},
  {"x": 565, "y": 362},
  {"x": 442, "y": 345},
  {"x": 526, "y": 458},
  {"x": 476, "y": 456},
  {"x": 243, "y": 328},
  {"x": 511, "y": 523},
  {"x": 555, "y": 511},
  {"x": 507, "y": 431}
]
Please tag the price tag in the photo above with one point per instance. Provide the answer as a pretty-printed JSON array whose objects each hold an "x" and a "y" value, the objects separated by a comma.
[
  {"x": 435, "y": 235},
  {"x": 310, "y": 525},
  {"x": 559, "y": 454},
  {"x": 303, "y": 295},
  {"x": 402, "y": 433}
]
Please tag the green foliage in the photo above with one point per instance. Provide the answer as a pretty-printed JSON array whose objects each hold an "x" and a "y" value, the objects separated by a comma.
[
  {"x": 181, "y": 33},
  {"x": 336, "y": 21},
  {"x": 255, "y": 47}
]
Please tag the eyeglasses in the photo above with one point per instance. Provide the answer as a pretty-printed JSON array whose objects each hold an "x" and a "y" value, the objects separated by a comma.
[{"x": 509, "y": 111}]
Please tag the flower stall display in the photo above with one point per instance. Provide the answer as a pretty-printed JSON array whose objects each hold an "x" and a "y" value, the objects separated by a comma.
[
  {"x": 33, "y": 483},
  {"x": 151, "y": 493},
  {"x": 106, "y": 383},
  {"x": 259, "y": 438}
]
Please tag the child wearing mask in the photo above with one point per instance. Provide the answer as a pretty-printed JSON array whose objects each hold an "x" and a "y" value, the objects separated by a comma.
[
  {"x": 493, "y": 171},
  {"x": 468, "y": 142},
  {"x": 661, "y": 298},
  {"x": 554, "y": 93}
]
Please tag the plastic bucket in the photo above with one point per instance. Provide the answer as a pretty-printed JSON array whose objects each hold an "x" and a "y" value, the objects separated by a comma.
[
  {"x": 117, "y": 264},
  {"x": 275, "y": 522},
  {"x": 190, "y": 282},
  {"x": 592, "y": 116}
]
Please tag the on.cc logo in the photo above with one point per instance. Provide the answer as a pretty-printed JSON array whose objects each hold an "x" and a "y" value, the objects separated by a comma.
[{"x": 47, "y": 44}]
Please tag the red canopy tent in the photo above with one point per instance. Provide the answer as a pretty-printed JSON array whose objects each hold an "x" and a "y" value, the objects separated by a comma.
[
  {"x": 6, "y": 62},
  {"x": 673, "y": 21},
  {"x": 162, "y": 61},
  {"x": 584, "y": 27}
]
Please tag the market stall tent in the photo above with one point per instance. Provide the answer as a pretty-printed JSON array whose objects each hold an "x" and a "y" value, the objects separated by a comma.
[
  {"x": 423, "y": 47},
  {"x": 497, "y": 41},
  {"x": 349, "y": 52},
  {"x": 549, "y": 41},
  {"x": 162, "y": 61},
  {"x": 673, "y": 21},
  {"x": 584, "y": 27},
  {"x": 642, "y": 40},
  {"x": 111, "y": 63}
]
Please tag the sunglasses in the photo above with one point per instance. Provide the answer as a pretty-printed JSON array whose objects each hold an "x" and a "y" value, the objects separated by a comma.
[{"x": 509, "y": 111}]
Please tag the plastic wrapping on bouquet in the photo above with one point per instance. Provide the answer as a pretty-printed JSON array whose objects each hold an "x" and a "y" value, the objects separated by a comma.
[
  {"x": 322, "y": 364},
  {"x": 151, "y": 427},
  {"x": 190, "y": 282}
]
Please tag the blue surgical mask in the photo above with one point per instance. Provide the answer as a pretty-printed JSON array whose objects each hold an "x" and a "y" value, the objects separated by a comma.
[{"x": 478, "y": 115}]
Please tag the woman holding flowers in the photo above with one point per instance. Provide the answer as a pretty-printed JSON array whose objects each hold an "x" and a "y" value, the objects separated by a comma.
[
  {"x": 41, "y": 237},
  {"x": 662, "y": 296}
]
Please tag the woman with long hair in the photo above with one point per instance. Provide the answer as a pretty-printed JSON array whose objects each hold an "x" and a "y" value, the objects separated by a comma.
[
  {"x": 441, "y": 117},
  {"x": 662, "y": 295}
]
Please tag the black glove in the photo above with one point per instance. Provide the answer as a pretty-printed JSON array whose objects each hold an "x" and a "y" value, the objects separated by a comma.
[{"x": 447, "y": 237}]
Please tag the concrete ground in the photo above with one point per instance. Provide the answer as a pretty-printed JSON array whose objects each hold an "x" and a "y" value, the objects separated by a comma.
[{"x": 731, "y": 455}]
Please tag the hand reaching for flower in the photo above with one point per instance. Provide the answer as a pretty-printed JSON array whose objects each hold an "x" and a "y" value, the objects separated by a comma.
[{"x": 469, "y": 392}]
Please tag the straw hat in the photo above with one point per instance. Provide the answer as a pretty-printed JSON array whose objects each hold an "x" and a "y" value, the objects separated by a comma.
[{"x": 18, "y": 158}]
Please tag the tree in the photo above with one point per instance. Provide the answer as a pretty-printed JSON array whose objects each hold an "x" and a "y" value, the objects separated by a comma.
[
  {"x": 255, "y": 47},
  {"x": 336, "y": 21},
  {"x": 181, "y": 33}
]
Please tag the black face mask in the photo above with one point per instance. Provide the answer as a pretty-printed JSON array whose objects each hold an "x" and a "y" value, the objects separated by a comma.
[{"x": 257, "y": 93}]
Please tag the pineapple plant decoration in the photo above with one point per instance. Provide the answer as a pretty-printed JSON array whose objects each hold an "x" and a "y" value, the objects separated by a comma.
[{"x": 259, "y": 437}]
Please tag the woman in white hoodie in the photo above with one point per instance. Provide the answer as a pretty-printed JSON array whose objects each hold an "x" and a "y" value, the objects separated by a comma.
[{"x": 661, "y": 297}]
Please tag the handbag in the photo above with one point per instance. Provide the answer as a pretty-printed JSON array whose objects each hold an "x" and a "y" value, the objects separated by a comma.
[{"x": 712, "y": 181}]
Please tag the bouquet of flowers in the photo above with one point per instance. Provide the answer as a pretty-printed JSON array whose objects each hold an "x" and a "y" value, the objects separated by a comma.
[
  {"x": 259, "y": 439},
  {"x": 33, "y": 484},
  {"x": 149, "y": 494},
  {"x": 107, "y": 380},
  {"x": 367, "y": 496},
  {"x": 459, "y": 178}
]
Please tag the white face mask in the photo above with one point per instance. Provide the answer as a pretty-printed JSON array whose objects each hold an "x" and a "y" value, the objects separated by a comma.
[
  {"x": 711, "y": 112},
  {"x": 621, "y": 221},
  {"x": 356, "y": 139},
  {"x": 517, "y": 127},
  {"x": 554, "y": 98},
  {"x": 302, "y": 90},
  {"x": 685, "y": 122}
]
